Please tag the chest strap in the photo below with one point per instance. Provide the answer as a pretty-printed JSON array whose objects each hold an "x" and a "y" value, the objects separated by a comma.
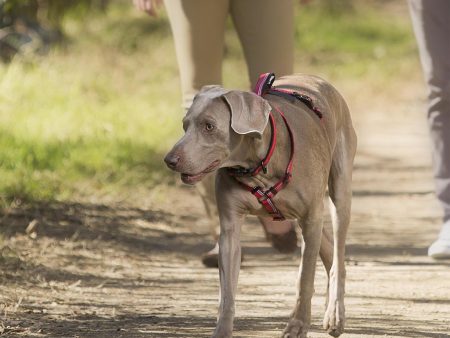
[{"x": 264, "y": 197}]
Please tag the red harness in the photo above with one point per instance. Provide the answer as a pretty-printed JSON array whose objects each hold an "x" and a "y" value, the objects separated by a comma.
[{"x": 264, "y": 86}]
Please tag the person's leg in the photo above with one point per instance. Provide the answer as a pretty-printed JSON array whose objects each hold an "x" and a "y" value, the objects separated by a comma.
[
  {"x": 198, "y": 32},
  {"x": 198, "y": 28},
  {"x": 266, "y": 31},
  {"x": 431, "y": 23}
]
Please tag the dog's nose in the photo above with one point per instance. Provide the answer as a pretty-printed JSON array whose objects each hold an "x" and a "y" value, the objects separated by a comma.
[{"x": 172, "y": 160}]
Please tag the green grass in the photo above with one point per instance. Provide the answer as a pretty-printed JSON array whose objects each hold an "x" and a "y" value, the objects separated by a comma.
[
  {"x": 98, "y": 114},
  {"x": 368, "y": 41}
]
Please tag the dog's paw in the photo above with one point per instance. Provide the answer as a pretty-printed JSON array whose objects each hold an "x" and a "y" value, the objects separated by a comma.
[
  {"x": 295, "y": 329},
  {"x": 334, "y": 319}
]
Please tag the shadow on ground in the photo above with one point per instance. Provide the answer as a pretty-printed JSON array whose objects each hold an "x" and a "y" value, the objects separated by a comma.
[
  {"x": 130, "y": 325},
  {"x": 141, "y": 234},
  {"x": 130, "y": 229}
]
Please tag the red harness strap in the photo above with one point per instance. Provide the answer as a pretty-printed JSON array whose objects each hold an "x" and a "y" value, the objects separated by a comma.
[
  {"x": 265, "y": 197},
  {"x": 286, "y": 93}
]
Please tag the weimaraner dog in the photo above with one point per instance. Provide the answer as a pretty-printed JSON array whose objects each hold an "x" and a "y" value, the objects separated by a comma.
[{"x": 229, "y": 130}]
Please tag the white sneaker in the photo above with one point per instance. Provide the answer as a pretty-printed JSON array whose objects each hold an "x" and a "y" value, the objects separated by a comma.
[{"x": 441, "y": 247}]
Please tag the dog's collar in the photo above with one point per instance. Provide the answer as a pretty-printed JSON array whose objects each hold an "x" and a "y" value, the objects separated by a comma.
[
  {"x": 262, "y": 166},
  {"x": 264, "y": 86}
]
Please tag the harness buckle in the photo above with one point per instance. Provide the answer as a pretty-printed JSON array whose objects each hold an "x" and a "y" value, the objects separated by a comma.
[
  {"x": 263, "y": 167},
  {"x": 272, "y": 192},
  {"x": 259, "y": 193}
]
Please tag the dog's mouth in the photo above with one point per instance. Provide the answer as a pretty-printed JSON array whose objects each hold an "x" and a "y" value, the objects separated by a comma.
[{"x": 194, "y": 178}]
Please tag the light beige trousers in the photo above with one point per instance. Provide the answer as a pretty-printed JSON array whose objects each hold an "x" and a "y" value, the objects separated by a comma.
[{"x": 265, "y": 29}]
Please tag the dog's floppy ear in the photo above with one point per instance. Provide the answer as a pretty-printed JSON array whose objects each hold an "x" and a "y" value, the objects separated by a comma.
[{"x": 249, "y": 112}]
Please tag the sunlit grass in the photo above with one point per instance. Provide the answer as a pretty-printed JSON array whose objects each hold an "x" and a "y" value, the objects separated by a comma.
[
  {"x": 367, "y": 43},
  {"x": 94, "y": 110},
  {"x": 101, "y": 111}
]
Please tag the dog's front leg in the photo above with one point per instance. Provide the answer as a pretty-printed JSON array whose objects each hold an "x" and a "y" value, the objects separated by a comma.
[
  {"x": 229, "y": 258},
  {"x": 299, "y": 323}
]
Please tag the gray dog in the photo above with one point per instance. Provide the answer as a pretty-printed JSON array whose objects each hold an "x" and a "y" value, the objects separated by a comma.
[{"x": 228, "y": 131}]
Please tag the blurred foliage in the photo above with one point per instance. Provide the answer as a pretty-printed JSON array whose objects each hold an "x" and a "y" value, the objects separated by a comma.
[
  {"x": 336, "y": 6},
  {"x": 52, "y": 11},
  {"x": 33, "y": 26},
  {"x": 354, "y": 42}
]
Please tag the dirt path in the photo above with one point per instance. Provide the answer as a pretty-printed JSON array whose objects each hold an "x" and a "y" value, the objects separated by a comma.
[{"x": 111, "y": 270}]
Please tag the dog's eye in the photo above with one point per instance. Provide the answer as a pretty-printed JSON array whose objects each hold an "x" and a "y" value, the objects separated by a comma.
[{"x": 209, "y": 126}]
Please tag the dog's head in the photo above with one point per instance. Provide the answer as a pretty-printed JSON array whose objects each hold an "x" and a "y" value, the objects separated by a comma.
[{"x": 215, "y": 126}]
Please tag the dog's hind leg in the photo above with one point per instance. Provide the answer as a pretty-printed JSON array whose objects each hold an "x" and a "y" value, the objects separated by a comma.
[
  {"x": 339, "y": 186},
  {"x": 326, "y": 255},
  {"x": 326, "y": 248}
]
